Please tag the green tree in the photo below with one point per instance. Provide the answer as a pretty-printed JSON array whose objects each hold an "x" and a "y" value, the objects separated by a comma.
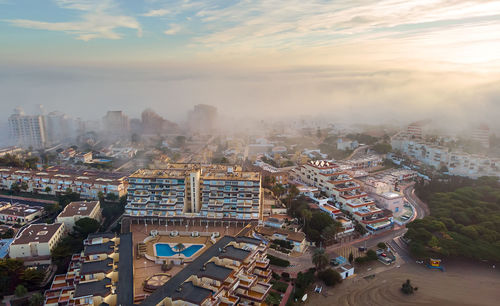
[
  {"x": 351, "y": 257},
  {"x": 381, "y": 245},
  {"x": 371, "y": 254},
  {"x": 320, "y": 259},
  {"x": 330, "y": 277},
  {"x": 112, "y": 197},
  {"x": 15, "y": 188},
  {"x": 20, "y": 291},
  {"x": 86, "y": 226},
  {"x": 33, "y": 277},
  {"x": 293, "y": 191},
  {"x": 382, "y": 148},
  {"x": 36, "y": 299},
  {"x": 48, "y": 189},
  {"x": 24, "y": 186}
]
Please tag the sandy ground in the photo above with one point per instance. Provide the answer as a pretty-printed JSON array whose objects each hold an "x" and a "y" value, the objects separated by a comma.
[{"x": 461, "y": 284}]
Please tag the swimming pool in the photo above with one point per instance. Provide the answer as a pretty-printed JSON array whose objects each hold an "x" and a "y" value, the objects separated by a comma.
[{"x": 166, "y": 250}]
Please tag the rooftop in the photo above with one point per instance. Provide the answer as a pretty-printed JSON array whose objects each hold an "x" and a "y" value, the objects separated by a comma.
[
  {"x": 214, "y": 271},
  {"x": 81, "y": 208},
  {"x": 234, "y": 253},
  {"x": 103, "y": 248},
  {"x": 41, "y": 233},
  {"x": 92, "y": 267},
  {"x": 100, "y": 288}
]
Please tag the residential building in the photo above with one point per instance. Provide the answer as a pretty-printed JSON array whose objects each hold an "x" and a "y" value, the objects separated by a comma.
[
  {"x": 10, "y": 150},
  {"x": 75, "y": 211},
  {"x": 100, "y": 275},
  {"x": 233, "y": 271},
  {"x": 56, "y": 181},
  {"x": 457, "y": 162},
  {"x": 67, "y": 153},
  {"x": 36, "y": 241},
  {"x": 345, "y": 192},
  {"x": 342, "y": 266},
  {"x": 116, "y": 124},
  {"x": 195, "y": 191},
  {"x": 27, "y": 131},
  {"x": 393, "y": 201},
  {"x": 203, "y": 119},
  {"x": 19, "y": 213},
  {"x": 346, "y": 144},
  {"x": 83, "y": 157},
  {"x": 297, "y": 239},
  {"x": 481, "y": 134}
]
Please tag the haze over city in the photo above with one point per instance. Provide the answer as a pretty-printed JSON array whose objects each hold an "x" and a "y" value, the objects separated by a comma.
[
  {"x": 254, "y": 58},
  {"x": 249, "y": 152}
]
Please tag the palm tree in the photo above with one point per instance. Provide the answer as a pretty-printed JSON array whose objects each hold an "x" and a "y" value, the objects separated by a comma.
[
  {"x": 320, "y": 259},
  {"x": 306, "y": 215},
  {"x": 180, "y": 247}
]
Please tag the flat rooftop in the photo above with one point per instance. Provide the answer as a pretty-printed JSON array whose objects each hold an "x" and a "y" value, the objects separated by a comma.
[
  {"x": 41, "y": 233},
  {"x": 81, "y": 208}
]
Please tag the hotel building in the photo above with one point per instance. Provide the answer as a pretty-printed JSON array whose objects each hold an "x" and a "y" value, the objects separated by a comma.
[
  {"x": 100, "y": 275},
  {"x": 195, "y": 191},
  {"x": 345, "y": 192},
  {"x": 19, "y": 213},
  {"x": 233, "y": 271}
]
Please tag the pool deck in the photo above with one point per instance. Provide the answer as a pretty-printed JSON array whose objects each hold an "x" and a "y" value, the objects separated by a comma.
[{"x": 144, "y": 268}]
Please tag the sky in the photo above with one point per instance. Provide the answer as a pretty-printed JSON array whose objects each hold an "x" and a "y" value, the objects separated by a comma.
[{"x": 387, "y": 60}]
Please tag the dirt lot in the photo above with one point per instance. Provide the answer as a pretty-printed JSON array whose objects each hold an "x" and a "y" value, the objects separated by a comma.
[{"x": 461, "y": 284}]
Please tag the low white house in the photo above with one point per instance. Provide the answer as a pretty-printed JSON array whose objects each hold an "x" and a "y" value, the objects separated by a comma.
[
  {"x": 298, "y": 239},
  {"x": 75, "y": 211}
]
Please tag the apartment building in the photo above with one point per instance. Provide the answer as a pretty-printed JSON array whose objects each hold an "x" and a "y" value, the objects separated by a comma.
[
  {"x": 36, "y": 241},
  {"x": 75, "y": 211},
  {"x": 100, "y": 275},
  {"x": 458, "y": 163},
  {"x": 55, "y": 181},
  {"x": 19, "y": 213},
  {"x": 233, "y": 271},
  {"x": 195, "y": 191},
  {"x": 27, "y": 131},
  {"x": 347, "y": 193}
]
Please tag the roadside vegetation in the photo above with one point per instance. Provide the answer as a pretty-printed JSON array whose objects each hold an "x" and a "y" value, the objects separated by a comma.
[{"x": 464, "y": 220}]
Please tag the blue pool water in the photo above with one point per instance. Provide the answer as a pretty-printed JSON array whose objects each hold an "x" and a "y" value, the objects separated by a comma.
[{"x": 165, "y": 250}]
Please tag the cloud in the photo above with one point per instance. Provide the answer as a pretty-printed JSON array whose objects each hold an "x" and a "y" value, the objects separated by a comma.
[
  {"x": 173, "y": 29},
  {"x": 156, "y": 13},
  {"x": 96, "y": 21}
]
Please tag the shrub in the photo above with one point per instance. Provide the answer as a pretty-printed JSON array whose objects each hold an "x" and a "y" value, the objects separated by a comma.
[
  {"x": 275, "y": 275},
  {"x": 283, "y": 243},
  {"x": 273, "y": 298},
  {"x": 371, "y": 254},
  {"x": 276, "y": 261},
  {"x": 285, "y": 275},
  {"x": 280, "y": 286},
  {"x": 407, "y": 288},
  {"x": 381, "y": 245},
  {"x": 330, "y": 277}
]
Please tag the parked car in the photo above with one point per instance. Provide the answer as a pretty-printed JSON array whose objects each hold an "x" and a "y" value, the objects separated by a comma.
[{"x": 361, "y": 249}]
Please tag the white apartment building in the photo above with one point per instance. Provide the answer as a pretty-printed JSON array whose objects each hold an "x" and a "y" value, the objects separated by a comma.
[
  {"x": 194, "y": 191},
  {"x": 27, "y": 131},
  {"x": 19, "y": 213},
  {"x": 458, "y": 163},
  {"x": 75, "y": 211},
  {"x": 346, "y": 192},
  {"x": 55, "y": 181},
  {"x": 36, "y": 241}
]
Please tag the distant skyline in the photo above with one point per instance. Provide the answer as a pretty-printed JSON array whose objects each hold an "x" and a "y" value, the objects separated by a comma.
[{"x": 372, "y": 59}]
